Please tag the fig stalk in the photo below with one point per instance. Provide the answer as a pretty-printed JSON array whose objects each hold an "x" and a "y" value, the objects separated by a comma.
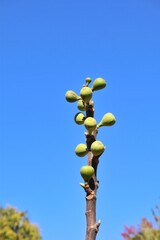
[
  {"x": 91, "y": 226},
  {"x": 92, "y": 148}
]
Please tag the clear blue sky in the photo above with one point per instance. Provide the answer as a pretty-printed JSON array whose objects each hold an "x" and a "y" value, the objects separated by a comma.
[{"x": 48, "y": 47}]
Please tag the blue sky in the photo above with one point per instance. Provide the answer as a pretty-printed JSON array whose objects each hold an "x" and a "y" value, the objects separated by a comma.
[{"x": 48, "y": 47}]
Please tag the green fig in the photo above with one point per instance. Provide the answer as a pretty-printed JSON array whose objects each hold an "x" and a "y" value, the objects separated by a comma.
[
  {"x": 86, "y": 94},
  {"x": 79, "y": 118},
  {"x": 81, "y": 150},
  {"x": 107, "y": 120},
  {"x": 71, "y": 96},
  {"x": 98, "y": 84},
  {"x": 88, "y": 80},
  {"x": 90, "y": 124},
  {"x": 81, "y": 105},
  {"x": 87, "y": 172},
  {"x": 97, "y": 148}
]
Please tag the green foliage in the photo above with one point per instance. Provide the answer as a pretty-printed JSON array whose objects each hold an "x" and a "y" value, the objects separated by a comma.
[
  {"x": 145, "y": 231},
  {"x": 14, "y": 225}
]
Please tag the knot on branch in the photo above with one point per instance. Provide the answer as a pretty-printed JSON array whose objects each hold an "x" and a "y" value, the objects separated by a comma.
[
  {"x": 96, "y": 226},
  {"x": 87, "y": 188},
  {"x": 91, "y": 196}
]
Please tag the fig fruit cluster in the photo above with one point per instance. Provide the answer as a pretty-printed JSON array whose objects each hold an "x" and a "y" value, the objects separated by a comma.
[
  {"x": 97, "y": 148},
  {"x": 84, "y": 99},
  {"x": 86, "y": 92}
]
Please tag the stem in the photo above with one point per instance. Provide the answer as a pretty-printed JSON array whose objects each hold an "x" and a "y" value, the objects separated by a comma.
[
  {"x": 91, "y": 230},
  {"x": 91, "y": 188}
]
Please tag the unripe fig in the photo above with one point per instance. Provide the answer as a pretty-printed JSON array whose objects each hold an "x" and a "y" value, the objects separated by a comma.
[
  {"x": 87, "y": 172},
  {"x": 107, "y": 120},
  {"x": 90, "y": 124},
  {"x": 81, "y": 105},
  {"x": 88, "y": 80},
  {"x": 71, "y": 96},
  {"x": 81, "y": 150},
  {"x": 79, "y": 118},
  {"x": 97, "y": 148},
  {"x": 86, "y": 94},
  {"x": 98, "y": 84}
]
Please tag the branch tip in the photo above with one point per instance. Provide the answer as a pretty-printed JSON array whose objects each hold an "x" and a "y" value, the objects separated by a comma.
[
  {"x": 97, "y": 225},
  {"x": 82, "y": 185}
]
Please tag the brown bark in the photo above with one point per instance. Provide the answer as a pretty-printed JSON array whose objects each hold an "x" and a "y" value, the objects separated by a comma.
[{"x": 91, "y": 187}]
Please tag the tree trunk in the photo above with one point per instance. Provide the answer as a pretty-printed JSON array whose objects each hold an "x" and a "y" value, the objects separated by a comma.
[{"x": 91, "y": 229}]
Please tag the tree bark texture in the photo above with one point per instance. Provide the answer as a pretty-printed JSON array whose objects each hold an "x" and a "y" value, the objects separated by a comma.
[{"x": 91, "y": 187}]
